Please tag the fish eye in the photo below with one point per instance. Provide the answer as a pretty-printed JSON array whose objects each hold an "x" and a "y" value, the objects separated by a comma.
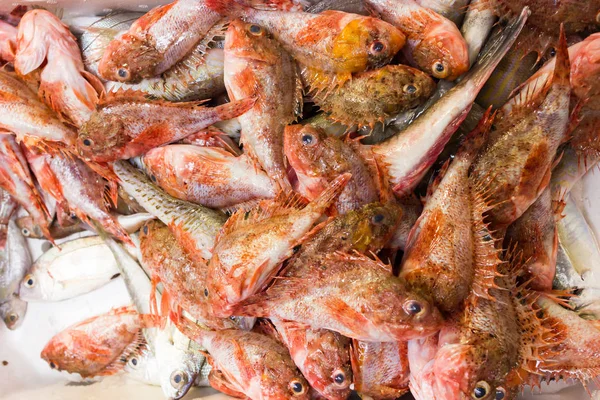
[
  {"x": 308, "y": 139},
  {"x": 377, "y": 47},
  {"x": 29, "y": 281},
  {"x": 123, "y": 73},
  {"x": 500, "y": 393},
  {"x": 25, "y": 232},
  {"x": 12, "y": 317},
  {"x": 378, "y": 219},
  {"x": 410, "y": 89},
  {"x": 134, "y": 361},
  {"x": 439, "y": 70},
  {"x": 145, "y": 229},
  {"x": 87, "y": 142},
  {"x": 179, "y": 379},
  {"x": 482, "y": 389},
  {"x": 552, "y": 52},
  {"x": 73, "y": 216},
  {"x": 153, "y": 178},
  {"x": 413, "y": 307},
  {"x": 52, "y": 365},
  {"x": 297, "y": 387},
  {"x": 205, "y": 292},
  {"x": 255, "y": 29},
  {"x": 339, "y": 378}
]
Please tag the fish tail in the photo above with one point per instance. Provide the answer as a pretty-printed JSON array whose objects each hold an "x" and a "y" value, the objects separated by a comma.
[
  {"x": 234, "y": 108},
  {"x": 562, "y": 68},
  {"x": 327, "y": 197},
  {"x": 496, "y": 49}
]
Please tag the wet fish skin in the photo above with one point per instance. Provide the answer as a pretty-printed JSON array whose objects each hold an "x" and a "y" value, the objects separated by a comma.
[
  {"x": 322, "y": 356},
  {"x": 57, "y": 274},
  {"x": 332, "y": 41},
  {"x": 8, "y": 42},
  {"x": 26, "y": 116},
  {"x": 535, "y": 234},
  {"x": 339, "y": 296},
  {"x": 476, "y": 27},
  {"x": 18, "y": 262},
  {"x": 13, "y": 312},
  {"x": 208, "y": 176},
  {"x": 96, "y": 346},
  {"x": 114, "y": 131},
  {"x": 8, "y": 206},
  {"x": 424, "y": 30},
  {"x": 423, "y": 140},
  {"x": 65, "y": 85},
  {"x": 318, "y": 159},
  {"x": 195, "y": 227},
  {"x": 157, "y": 40},
  {"x": 439, "y": 256},
  {"x": 380, "y": 369},
  {"x": 213, "y": 137},
  {"x": 257, "y": 66},
  {"x": 349, "y": 6},
  {"x": 454, "y": 10},
  {"x": 371, "y": 97},
  {"x": 254, "y": 365},
  {"x": 181, "y": 278},
  {"x": 249, "y": 249},
  {"x": 516, "y": 170}
]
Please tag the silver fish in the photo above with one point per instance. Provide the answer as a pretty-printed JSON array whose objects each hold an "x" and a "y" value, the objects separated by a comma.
[
  {"x": 476, "y": 27},
  {"x": 13, "y": 312},
  {"x": 18, "y": 262}
]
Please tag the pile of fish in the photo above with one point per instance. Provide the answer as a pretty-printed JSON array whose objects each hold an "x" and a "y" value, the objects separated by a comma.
[{"x": 306, "y": 199}]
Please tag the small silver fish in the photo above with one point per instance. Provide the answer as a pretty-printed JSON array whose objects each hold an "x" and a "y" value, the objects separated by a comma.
[
  {"x": 18, "y": 262},
  {"x": 13, "y": 312}
]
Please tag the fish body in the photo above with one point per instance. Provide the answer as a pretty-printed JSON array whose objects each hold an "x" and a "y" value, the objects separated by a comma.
[
  {"x": 438, "y": 258},
  {"x": 352, "y": 295},
  {"x": 373, "y": 96},
  {"x": 251, "y": 364},
  {"x": 157, "y": 40},
  {"x": 96, "y": 346},
  {"x": 18, "y": 262},
  {"x": 72, "y": 182},
  {"x": 65, "y": 85},
  {"x": 26, "y": 116},
  {"x": 332, "y": 41},
  {"x": 322, "y": 356},
  {"x": 195, "y": 227},
  {"x": 434, "y": 43},
  {"x": 209, "y": 176},
  {"x": 381, "y": 370},
  {"x": 318, "y": 159},
  {"x": 257, "y": 66},
  {"x": 407, "y": 156},
  {"x": 129, "y": 125},
  {"x": 213, "y": 137},
  {"x": 535, "y": 234},
  {"x": 12, "y": 312},
  {"x": 8, "y": 42},
  {"x": 476, "y": 27},
  {"x": 518, "y": 158},
  {"x": 57, "y": 274},
  {"x": 454, "y": 10},
  {"x": 182, "y": 279},
  {"x": 8, "y": 206},
  {"x": 250, "y": 248}
]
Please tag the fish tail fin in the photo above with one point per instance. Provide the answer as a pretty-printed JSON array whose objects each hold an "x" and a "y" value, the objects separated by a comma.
[
  {"x": 562, "y": 68},
  {"x": 495, "y": 50},
  {"x": 234, "y": 108},
  {"x": 327, "y": 197}
]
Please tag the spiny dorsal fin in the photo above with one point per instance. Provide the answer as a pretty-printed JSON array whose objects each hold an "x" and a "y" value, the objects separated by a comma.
[{"x": 321, "y": 83}]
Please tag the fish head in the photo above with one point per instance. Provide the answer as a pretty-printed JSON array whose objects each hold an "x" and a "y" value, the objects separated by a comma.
[
  {"x": 327, "y": 366},
  {"x": 29, "y": 228},
  {"x": 129, "y": 58},
  {"x": 250, "y": 41},
  {"x": 58, "y": 354},
  {"x": 443, "y": 53},
  {"x": 403, "y": 85},
  {"x": 36, "y": 285},
  {"x": 367, "y": 43},
  {"x": 13, "y": 312},
  {"x": 100, "y": 136},
  {"x": 314, "y": 156},
  {"x": 462, "y": 371},
  {"x": 280, "y": 379},
  {"x": 372, "y": 226}
]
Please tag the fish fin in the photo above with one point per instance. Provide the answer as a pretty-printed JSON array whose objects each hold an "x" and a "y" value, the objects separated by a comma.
[
  {"x": 343, "y": 313},
  {"x": 153, "y": 136},
  {"x": 324, "y": 200},
  {"x": 244, "y": 206},
  {"x": 234, "y": 108},
  {"x": 122, "y": 95},
  {"x": 321, "y": 83},
  {"x": 298, "y": 93},
  {"x": 218, "y": 381},
  {"x": 357, "y": 257},
  {"x": 562, "y": 67},
  {"x": 266, "y": 327},
  {"x": 477, "y": 138},
  {"x": 487, "y": 251},
  {"x": 119, "y": 364},
  {"x": 435, "y": 181}
]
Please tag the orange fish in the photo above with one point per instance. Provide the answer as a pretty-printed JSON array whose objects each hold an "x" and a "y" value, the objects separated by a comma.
[
  {"x": 250, "y": 247},
  {"x": 65, "y": 85},
  {"x": 99, "y": 345},
  {"x": 257, "y": 66},
  {"x": 434, "y": 43}
]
